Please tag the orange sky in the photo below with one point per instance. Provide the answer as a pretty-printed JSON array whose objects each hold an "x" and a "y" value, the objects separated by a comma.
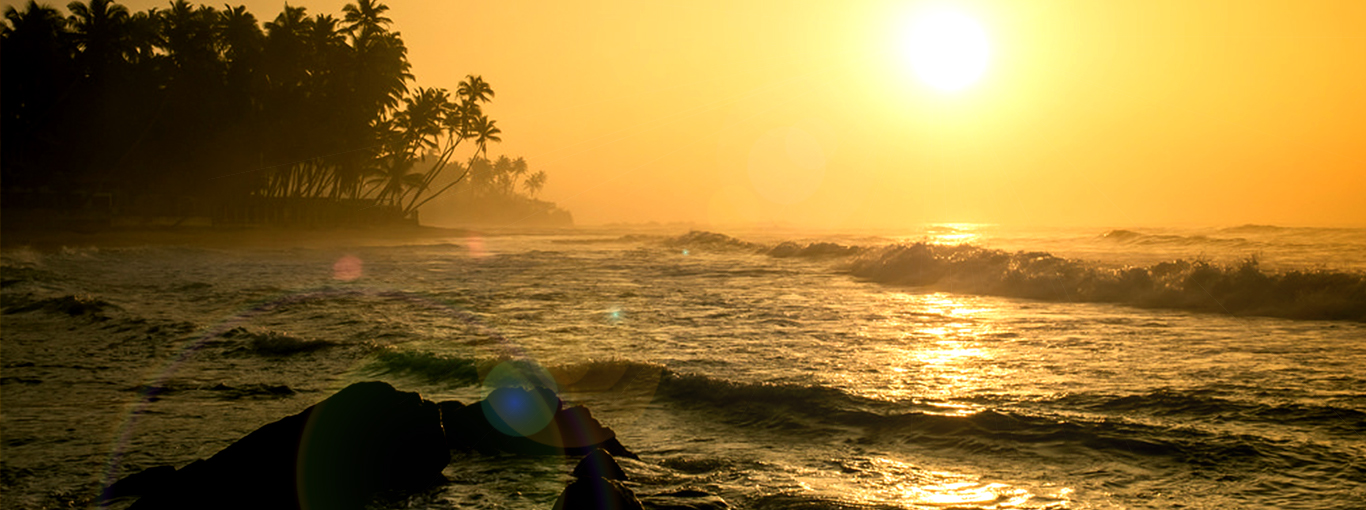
[{"x": 805, "y": 113}]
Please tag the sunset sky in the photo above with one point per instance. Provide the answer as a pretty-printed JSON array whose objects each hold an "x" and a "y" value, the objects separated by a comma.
[{"x": 808, "y": 113}]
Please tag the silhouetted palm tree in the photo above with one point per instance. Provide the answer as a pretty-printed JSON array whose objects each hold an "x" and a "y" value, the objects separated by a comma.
[
  {"x": 190, "y": 38},
  {"x": 240, "y": 39},
  {"x": 101, "y": 32},
  {"x": 474, "y": 90},
  {"x": 365, "y": 17},
  {"x": 35, "y": 21},
  {"x": 285, "y": 48},
  {"x": 516, "y": 173},
  {"x": 421, "y": 121},
  {"x": 534, "y": 183},
  {"x": 395, "y": 177},
  {"x": 380, "y": 71},
  {"x": 162, "y": 101},
  {"x": 36, "y": 43},
  {"x": 485, "y": 131},
  {"x": 144, "y": 30},
  {"x": 38, "y": 74}
]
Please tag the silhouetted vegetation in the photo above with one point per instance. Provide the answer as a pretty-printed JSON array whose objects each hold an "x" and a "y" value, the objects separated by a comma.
[
  {"x": 194, "y": 111},
  {"x": 503, "y": 191}
]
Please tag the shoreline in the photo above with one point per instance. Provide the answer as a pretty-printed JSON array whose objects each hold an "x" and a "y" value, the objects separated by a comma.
[{"x": 56, "y": 238}]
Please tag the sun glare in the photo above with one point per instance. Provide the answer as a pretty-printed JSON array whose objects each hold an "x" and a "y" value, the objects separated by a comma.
[{"x": 947, "y": 50}]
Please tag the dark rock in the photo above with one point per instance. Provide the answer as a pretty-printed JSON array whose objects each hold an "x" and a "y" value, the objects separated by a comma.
[
  {"x": 451, "y": 417},
  {"x": 595, "y": 493},
  {"x": 466, "y": 427},
  {"x": 516, "y": 412},
  {"x": 527, "y": 422},
  {"x": 684, "y": 500},
  {"x": 139, "y": 483},
  {"x": 339, "y": 454},
  {"x": 575, "y": 431},
  {"x": 599, "y": 463}
]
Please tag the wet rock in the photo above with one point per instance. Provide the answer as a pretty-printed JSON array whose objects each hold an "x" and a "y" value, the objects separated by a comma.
[
  {"x": 340, "y": 453},
  {"x": 599, "y": 463},
  {"x": 527, "y": 422},
  {"x": 140, "y": 483},
  {"x": 467, "y": 428},
  {"x": 451, "y": 417},
  {"x": 596, "y": 493}
]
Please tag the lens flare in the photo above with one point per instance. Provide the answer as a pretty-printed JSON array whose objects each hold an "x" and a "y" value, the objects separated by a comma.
[{"x": 347, "y": 269}]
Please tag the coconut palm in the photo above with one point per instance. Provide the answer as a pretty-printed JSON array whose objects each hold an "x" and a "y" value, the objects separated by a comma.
[
  {"x": 474, "y": 90},
  {"x": 323, "y": 102},
  {"x": 485, "y": 131},
  {"x": 517, "y": 172},
  {"x": 285, "y": 47},
  {"x": 395, "y": 178},
  {"x": 502, "y": 181},
  {"x": 421, "y": 121},
  {"x": 241, "y": 42},
  {"x": 240, "y": 39},
  {"x": 380, "y": 71},
  {"x": 327, "y": 49},
  {"x": 190, "y": 37},
  {"x": 365, "y": 17},
  {"x": 534, "y": 183},
  {"x": 34, "y": 20},
  {"x": 38, "y": 69},
  {"x": 100, "y": 30},
  {"x": 464, "y": 121},
  {"x": 36, "y": 44}
]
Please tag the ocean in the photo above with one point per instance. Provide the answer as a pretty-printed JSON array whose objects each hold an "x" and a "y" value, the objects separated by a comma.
[{"x": 947, "y": 366}]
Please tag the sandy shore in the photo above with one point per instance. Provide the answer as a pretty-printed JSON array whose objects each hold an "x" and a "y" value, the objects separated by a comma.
[{"x": 221, "y": 237}]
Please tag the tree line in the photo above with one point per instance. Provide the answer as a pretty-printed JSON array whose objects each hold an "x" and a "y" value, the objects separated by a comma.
[{"x": 193, "y": 101}]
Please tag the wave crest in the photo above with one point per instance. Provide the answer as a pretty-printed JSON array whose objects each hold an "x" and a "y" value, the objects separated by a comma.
[{"x": 1240, "y": 289}]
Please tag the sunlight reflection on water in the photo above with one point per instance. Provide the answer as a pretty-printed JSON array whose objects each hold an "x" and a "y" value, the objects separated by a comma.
[
  {"x": 948, "y": 234},
  {"x": 882, "y": 481},
  {"x": 943, "y": 349}
]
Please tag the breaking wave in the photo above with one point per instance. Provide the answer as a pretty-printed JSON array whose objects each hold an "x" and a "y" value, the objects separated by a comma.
[
  {"x": 1240, "y": 289},
  {"x": 73, "y": 305},
  {"x": 458, "y": 371},
  {"x": 1193, "y": 406},
  {"x": 1135, "y": 238},
  {"x": 793, "y": 408},
  {"x": 1237, "y": 289}
]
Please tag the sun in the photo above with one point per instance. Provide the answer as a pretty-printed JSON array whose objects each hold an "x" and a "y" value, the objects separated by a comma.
[{"x": 947, "y": 49}]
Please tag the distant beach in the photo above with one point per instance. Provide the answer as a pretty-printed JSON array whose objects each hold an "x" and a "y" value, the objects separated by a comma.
[{"x": 46, "y": 239}]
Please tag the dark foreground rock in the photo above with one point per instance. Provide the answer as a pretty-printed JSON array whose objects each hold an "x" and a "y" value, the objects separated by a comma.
[
  {"x": 597, "y": 493},
  {"x": 526, "y": 422},
  {"x": 599, "y": 463},
  {"x": 367, "y": 439},
  {"x": 140, "y": 483}
]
